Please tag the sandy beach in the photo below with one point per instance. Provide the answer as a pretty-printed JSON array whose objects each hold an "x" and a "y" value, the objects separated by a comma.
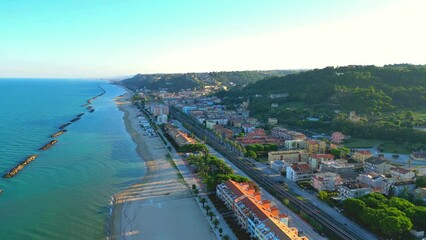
[{"x": 160, "y": 206}]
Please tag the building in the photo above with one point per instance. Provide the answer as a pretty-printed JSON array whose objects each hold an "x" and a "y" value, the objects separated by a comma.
[
  {"x": 294, "y": 144},
  {"x": 373, "y": 180},
  {"x": 159, "y": 109},
  {"x": 418, "y": 155},
  {"x": 259, "y": 217},
  {"x": 258, "y": 136},
  {"x": 179, "y": 137},
  {"x": 162, "y": 119},
  {"x": 283, "y": 133},
  {"x": 224, "y": 132},
  {"x": 402, "y": 174},
  {"x": 325, "y": 181},
  {"x": 272, "y": 121},
  {"x": 299, "y": 172},
  {"x": 278, "y": 165},
  {"x": 346, "y": 171},
  {"x": 378, "y": 165},
  {"x": 317, "y": 159},
  {"x": 291, "y": 156},
  {"x": 420, "y": 193},
  {"x": 353, "y": 190},
  {"x": 353, "y": 117},
  {"x": 396, "y": 187},
  {"x": 315, "y": 146},
  {"x": 361, "y": 155},
  {"x": 337, "y": 137}
]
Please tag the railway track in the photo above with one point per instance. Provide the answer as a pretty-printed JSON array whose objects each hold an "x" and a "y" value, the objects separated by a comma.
[{"x": 267, "y": 182}]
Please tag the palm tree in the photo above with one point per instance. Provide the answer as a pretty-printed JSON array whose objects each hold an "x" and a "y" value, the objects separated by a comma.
[
  {"x": 203, "y": 201},
  {"x": 211, "y": 215},
  {"x": 215, "y": 222},
  {"x": 220, "y": 231},
  {"x": 207, "y": 207}
]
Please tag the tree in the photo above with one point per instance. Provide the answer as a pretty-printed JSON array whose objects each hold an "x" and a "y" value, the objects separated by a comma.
[
  {"x": 220, "y": 231},
  {"x": 207, "y": 207},
  {"x": 203, "y": 201},
  {"x": 196, "y": 191},
  {"x": 353, "y": 206},
  {"x": 323, "y": 196},
  {"x": 392, "y": 226},
  {"x": 215, "y": 222},
  {"x": 251, "y": 154},
  {"x": 194, "y": 186},
  {"x": 211, "y": 215},
  {"x": 421, "y": 181},
  {"x": 225, "y": 237}
]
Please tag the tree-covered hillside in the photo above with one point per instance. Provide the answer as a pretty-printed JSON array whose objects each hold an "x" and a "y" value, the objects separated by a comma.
[
  {"x": 171, "y": 82},
  {"x": 385, "y": 98},
  {"x": 176, "y": 82}
]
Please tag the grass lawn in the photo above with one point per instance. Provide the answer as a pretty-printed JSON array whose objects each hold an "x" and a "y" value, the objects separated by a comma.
[
  {"x": 391, "y": 147},
  {"x": 262, "y": 159},
  {"x": 385, "y": 146},
  {"x": 362, "y": 143}
]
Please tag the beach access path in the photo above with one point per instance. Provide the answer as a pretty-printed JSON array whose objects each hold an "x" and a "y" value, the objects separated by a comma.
[{"x": 160, "y": 206}]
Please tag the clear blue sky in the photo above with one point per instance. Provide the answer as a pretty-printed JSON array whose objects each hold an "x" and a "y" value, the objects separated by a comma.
[{"x": 106, "y": 38}]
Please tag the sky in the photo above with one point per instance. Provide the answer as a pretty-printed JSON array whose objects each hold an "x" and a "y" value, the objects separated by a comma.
[{"x": 112, "y": 38}]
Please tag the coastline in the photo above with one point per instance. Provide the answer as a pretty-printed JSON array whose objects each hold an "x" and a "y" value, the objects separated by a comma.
[{"x": 159, "y": 199}]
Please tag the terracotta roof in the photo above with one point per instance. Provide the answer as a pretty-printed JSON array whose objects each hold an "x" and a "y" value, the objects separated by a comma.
[
  {"x": 280, "y": 231},
  {"x": 234, "y": 188},
  {"x": 326, "y": 156},
  {"x": 302, "y": 167},
  {"x": 254, "y": 208},
  {"x": 365, "y": 152}
]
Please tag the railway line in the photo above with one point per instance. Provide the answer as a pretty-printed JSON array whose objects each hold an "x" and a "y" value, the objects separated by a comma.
[{"x": 267, "y": 182}]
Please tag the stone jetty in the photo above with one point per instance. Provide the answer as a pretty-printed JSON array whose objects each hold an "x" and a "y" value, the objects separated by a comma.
[
  {"x": 48, "y": 145},
  {"x": 20, "y": 166}
]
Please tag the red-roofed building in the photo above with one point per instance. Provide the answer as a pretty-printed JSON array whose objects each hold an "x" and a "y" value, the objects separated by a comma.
[
  {"x": 260, "y": 218},
  {"x": 224, "y": 132},
  {"x": 337, "y": 137}
]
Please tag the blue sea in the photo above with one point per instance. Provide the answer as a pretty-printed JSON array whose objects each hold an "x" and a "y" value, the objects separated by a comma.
[{"x": 66, "y": 192}]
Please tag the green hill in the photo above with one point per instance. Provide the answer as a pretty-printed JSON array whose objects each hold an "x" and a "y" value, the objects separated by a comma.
[
  {"x": 390, "y": 100},
  {"x": 176, "y": 82}
]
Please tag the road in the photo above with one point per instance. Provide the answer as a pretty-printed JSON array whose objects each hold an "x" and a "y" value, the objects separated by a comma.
[{"x": 269, "y": 183}]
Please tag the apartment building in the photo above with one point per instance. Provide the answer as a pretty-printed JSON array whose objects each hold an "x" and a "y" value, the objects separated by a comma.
[{"x": 259, "y": 217}]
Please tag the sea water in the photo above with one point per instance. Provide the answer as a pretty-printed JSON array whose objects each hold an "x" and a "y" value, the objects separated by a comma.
[{"x": 66, "y": 192}]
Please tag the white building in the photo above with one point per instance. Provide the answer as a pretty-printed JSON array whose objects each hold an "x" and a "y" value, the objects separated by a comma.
[
  {"x": 325, "y": 181},
  {"x": 299, "y": 172},
  {"x": 353, "y": 190},
  {"x": 402, "y": 173}
]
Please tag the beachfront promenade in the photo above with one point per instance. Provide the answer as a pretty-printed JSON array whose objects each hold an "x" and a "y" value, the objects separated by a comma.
[{"x": 160, "y": 206}]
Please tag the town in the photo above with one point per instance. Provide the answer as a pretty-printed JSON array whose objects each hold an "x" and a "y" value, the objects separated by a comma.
[{"x": 315, "y": 168}]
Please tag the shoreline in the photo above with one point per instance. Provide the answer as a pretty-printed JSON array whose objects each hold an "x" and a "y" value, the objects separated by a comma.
[{"x": 159, "y": 198}]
